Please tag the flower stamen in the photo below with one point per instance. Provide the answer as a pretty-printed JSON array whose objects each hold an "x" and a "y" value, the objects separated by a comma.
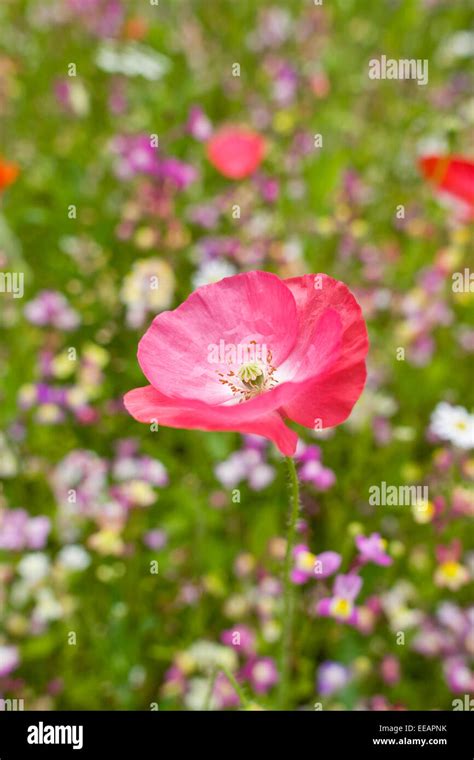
[{"x": 252, "y": 379}]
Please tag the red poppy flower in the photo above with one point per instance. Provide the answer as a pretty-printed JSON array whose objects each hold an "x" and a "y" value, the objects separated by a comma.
[
  {"x": 8, "y": 173},
  {"x": 236, "y": 152},
  {"x": 452, "y": 176}
]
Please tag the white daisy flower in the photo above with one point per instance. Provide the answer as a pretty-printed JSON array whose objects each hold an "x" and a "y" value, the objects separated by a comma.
[{"x": 454, "y": 424}]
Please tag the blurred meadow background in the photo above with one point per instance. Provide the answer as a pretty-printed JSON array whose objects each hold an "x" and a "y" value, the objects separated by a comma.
[{"x": 129, "y": 557}]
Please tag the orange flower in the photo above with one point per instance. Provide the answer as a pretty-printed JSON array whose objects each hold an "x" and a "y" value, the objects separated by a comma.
[
  {"x": 136, "y": 28},
  {"x": 8, "y": 173}
]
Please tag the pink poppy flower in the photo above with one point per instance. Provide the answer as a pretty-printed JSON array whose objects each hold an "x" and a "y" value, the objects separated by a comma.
[
  {"x": 236, "y": 152},
  {"x": 340, "y": 605},
  {"x": 249, "y": 351}
]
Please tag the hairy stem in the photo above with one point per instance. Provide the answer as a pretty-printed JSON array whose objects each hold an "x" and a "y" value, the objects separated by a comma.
[{"x": 288, "y": 589}]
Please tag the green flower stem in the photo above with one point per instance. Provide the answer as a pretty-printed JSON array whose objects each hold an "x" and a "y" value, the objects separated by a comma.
[
  {"x": 236, "y": 685},
  {"x": 210, "y": 689},
  {"x": 288, "y": 589}
]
